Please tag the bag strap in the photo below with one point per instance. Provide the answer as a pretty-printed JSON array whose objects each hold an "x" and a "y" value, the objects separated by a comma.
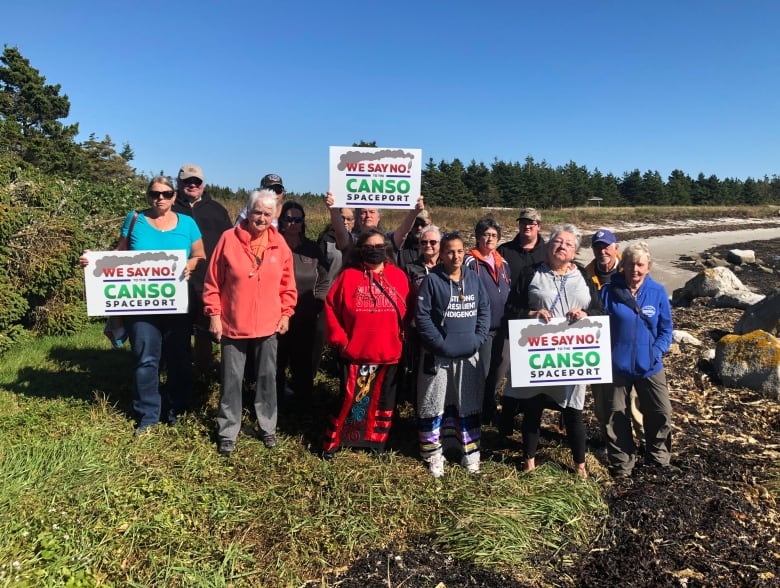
[
  {"x": 390, "y": 298},
  {"x": 132, "y": 224}
]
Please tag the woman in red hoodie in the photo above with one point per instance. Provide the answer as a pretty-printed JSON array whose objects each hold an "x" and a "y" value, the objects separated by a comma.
[{"x": 366, "y": 312}]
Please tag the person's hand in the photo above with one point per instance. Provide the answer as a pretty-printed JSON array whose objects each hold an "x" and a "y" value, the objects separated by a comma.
[
  {"x": 329, "y": 200},
  {"x": 83, "y": 261},
  {"x": 542, "y": 314},
  {"x": 576, "y": 314},
  {"x": 215, "y": 327},
  {"x": 284, "y": 325},
  {"x": 420, "y": 204}
]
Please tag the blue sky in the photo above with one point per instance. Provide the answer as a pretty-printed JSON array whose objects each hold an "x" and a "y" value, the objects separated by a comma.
[{"x": 244, "y": 88}]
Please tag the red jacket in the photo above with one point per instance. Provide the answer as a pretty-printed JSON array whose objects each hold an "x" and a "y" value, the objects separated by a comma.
[
  {"x": 251, "y": 298},
  {"x": 362, "y": 322}
]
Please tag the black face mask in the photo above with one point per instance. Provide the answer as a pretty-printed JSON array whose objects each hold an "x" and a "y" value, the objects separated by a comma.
[{"x": 372, "y": 256}]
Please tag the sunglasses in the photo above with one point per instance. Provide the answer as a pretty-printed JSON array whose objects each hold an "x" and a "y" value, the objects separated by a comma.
[
  {"x": 374, "y": 247},
  {"x": 292, "y": 219},
  {"x": 277, "y": 188},
  {"x": 427, "y": 242},
  {"x": 155, "y": 194},
  {"x": 192, "y": 182}
]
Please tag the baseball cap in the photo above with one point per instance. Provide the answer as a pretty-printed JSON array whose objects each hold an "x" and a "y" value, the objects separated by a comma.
[
  {"x": 603, "y": 236},
  {"x": 190, "y": 170},
  {"x": 530, "y": 214},
  {"x": 271, "y": 180},
  {"x": 424, "y": 215}
]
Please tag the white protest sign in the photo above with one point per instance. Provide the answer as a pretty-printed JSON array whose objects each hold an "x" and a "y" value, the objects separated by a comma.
[
  {"x": 371, "y": 177},
  {"x": 136, "y": 282},
  {"x": 558, "y": 353}
]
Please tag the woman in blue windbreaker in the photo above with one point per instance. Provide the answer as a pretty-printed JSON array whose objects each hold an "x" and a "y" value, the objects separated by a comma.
[{"x": 640, "y": 321}]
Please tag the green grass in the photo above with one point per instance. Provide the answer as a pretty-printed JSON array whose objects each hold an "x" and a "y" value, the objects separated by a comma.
[{"x": 83, "y": 503}]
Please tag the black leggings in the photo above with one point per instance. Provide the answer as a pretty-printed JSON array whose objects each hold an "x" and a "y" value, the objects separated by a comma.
[{"x": 572, "y": 418}]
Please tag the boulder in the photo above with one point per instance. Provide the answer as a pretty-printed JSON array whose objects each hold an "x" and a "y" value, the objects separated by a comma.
[
  {"x": 741, "y": 299},
  {"x": 740, "y": 256},
  {"x": 751, "y": 361},
  {"x": 764, "y": 315},
  {"x": 708, "y": 282},
  {"x": 685, "y": 338}
]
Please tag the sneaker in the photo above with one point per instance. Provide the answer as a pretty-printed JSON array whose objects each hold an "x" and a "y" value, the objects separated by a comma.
[
  {"x": 436, "y": 466},
  {"x": 270, "y": 440},
  {"x": 471, "y": 467},
  {"x": 226, "y": 447}
]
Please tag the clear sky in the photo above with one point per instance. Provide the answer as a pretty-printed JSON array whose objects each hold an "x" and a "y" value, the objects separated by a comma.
[{"x": 244, "y": 88}]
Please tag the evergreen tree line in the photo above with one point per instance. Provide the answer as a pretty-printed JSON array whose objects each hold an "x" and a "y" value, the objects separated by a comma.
[{"x": 535, "y": 184}]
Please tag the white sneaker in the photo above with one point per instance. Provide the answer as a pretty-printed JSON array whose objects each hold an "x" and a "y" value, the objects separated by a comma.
[
  {"x": 471, "y": 467},
  {"x": 436, "y": 466}
]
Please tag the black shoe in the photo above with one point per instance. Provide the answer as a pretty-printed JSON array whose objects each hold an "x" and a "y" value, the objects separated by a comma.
[
  {"x": 226, "y": 447},
  {"x": 270, "y": 440},
  {"x": 327, "y": 455}
]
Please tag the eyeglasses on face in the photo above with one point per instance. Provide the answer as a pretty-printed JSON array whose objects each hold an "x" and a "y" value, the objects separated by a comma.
[
  {"x": 278, "y": 189},
  {"x": 487, "y": 236},
  {"x": 426, "y": 242},
  {"x": 564, "y": 244},
  {"x": 292, "y": 219},
  {"x": 261, "y": 213},
  {"x": 155, "y": 194},
  {"x": 377, "y": 247},
  {"x": 348, "y": 219},
  {"x": 530, "y": 223},
  {"x": 192, "y": 182}
]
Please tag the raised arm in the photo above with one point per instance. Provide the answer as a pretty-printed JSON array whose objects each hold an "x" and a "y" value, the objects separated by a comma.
[
  {"x": 343, "y": 240},
  {"x": 399, "y": 235}
]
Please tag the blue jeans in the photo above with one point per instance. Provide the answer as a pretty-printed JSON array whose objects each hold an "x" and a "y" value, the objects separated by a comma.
[{"x": 153, "y": 337}]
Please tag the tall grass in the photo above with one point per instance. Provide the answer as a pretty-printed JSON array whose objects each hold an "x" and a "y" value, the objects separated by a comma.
[{"x": 83, "y": 501}]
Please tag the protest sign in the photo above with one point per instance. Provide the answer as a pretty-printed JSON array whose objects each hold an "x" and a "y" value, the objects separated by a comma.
[
  {"x": 371, "y": 177},
  {"x": 559, "y": 352},
  {"x": 136, "y": 282}
]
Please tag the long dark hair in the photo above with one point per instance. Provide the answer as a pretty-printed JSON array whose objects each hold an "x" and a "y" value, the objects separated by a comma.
[
  {"x": 353, "y": 257},
  {"x": 286, "y": 207}
]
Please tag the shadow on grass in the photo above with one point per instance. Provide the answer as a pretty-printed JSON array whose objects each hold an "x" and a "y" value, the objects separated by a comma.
[{"x": 82, "y": 374}]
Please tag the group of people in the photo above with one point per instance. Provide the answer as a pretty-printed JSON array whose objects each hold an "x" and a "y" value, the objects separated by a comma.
[{"x": 411, "y": 313}]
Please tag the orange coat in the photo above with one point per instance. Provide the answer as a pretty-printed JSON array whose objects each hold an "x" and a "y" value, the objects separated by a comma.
[{"x": 250, "y": 297}]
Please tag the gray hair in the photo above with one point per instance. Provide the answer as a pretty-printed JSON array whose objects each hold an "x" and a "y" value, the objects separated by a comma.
[
  {"x": 264, "y": 197},
  {"x": 636, "y": 251},
  {"x": 567, "y": 228},
  {"x": 431, "y": 229}
]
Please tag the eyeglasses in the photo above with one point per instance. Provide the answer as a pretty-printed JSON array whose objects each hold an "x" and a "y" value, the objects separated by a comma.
[
  {"x": 427, "y": 242},
  {"x": 155, "y": 194},
  {"x": 261, "y": 213},
  {"x": 378, "y": 247},
  {"x": 278, "y": 189},
  {"x": 564, "y": 244},
  {"x": 348, "y": 219},
  {"x": 192, "y": 182},
  {"x": 292, "y": 219},
  {"x": 489, "y": 236},
  {"x": 525, "y": 221}
]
